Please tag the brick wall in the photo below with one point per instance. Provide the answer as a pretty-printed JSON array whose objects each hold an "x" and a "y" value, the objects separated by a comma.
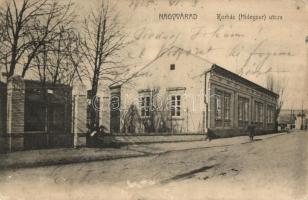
[
  {"x": 15, "y": 112},
  {"x": 15, "y": 105}
]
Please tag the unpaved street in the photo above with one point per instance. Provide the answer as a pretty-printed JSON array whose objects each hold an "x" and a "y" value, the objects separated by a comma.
[{"x": 270, "y": 168}]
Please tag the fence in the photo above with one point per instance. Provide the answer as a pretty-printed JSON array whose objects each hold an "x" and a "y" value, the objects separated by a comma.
[{"x": 161, "y": 122}]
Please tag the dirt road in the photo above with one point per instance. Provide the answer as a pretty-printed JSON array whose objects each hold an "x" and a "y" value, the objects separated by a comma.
[{"x": 272, "y": 168}]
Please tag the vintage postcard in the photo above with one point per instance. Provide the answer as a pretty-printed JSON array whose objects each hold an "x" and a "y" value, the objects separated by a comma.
[{"x": 154, "y": 99}]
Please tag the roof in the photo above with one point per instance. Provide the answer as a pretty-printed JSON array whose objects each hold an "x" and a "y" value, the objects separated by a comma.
[
  {"x": 232, "y": 75},
  {"x": 214, "y": 68},
  {"x": 173, "y": 50}
]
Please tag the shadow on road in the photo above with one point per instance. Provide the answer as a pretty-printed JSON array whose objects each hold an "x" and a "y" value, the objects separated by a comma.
[{"x": 187, "y": 174}]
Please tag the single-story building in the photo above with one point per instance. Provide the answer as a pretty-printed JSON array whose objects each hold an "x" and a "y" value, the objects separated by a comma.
[{"x": 180, "y": 93}]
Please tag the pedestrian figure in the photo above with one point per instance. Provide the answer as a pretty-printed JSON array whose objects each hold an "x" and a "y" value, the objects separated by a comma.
[
  {"x": 251, "y": 131},
  {"x": 208, "y": 136}
]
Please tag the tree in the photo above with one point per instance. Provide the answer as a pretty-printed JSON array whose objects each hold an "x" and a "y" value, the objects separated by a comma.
[
  {"x": 278, "y": 87},
  {"x": 102, "y": 41},
  {"x": 27, "y": 26},
  {"x": 61, "y": 60}
]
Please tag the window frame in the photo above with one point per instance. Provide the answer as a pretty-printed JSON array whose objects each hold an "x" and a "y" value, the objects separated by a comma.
[
  {"x": 227, "y": 106},
  {"x": 270, "y": 114},
  {"x": 145, "y": 104},
  {"x": 218, "y": 105},
  {"x": 223, "y": 108},
  {"x": 259, "y": 112},
  {"x": 175, "y": 105},
  {"x": 243, "y": 110}
]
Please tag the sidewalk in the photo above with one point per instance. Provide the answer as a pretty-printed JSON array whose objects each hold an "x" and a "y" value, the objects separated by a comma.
[
  {"x": 159, "y": 148},
  {"x": 45, "y": 157}
]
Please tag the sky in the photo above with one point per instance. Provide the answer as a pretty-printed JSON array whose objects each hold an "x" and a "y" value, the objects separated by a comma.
[
  {"x": 269, "y": 43},
  {"x": 255, "y": 49}
]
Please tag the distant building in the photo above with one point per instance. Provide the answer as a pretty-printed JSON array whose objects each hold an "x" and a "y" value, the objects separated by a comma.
[
  {"x": 293, "y": 119},
  {"x": 287, "y": 118},
  {"x": 301, "y": 121}
]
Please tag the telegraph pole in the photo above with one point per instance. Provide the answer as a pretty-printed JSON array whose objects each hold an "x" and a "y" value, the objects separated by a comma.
[
  {"x": 302, "y": 116},
  {"x": 305, "y": 85}
]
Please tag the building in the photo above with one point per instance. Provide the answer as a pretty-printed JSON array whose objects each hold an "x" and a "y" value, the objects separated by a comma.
[
  {"x": 180, "y": 93},
  {"x": 293, "y": 119},
  {"x": 301, "y": 122},
  {"x": 35, "y": 116},
  {"x": 287, "y": 118}
]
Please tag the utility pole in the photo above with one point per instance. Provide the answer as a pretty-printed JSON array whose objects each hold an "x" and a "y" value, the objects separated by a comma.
[{"x": 291, "y": 119}]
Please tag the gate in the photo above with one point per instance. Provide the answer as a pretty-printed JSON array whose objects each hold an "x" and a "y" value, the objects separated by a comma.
[{"x": 47, "y": 116}]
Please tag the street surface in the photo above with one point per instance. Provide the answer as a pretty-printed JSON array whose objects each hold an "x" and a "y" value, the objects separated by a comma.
[{"x": 268, "y": 168}]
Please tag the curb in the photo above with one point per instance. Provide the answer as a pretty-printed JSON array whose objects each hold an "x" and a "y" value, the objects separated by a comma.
[{"x": 69, "y": 161}]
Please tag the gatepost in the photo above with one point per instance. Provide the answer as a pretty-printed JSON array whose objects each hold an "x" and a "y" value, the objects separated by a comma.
[
  {"x": 15, "y": 113},
  {"x": 79, "y": 118}
]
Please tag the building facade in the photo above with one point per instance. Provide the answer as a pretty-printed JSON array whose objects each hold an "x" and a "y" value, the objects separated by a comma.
[
  {"x": 190, "y": 96},
  {"x": 36, "y": 116},
  {"x": 235, "y": 102}
]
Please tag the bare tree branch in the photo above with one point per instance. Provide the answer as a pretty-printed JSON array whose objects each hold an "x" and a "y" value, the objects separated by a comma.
[{"x": 28, "y": 25}]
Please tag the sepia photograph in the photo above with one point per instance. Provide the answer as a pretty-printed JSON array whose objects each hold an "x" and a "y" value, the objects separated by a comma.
[{"x": 154, "y": 99}]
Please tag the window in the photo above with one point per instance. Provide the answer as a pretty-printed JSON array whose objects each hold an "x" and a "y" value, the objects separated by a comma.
[
  {"x": 222, "y": 109},
  {"x": 246, "y": 111},
  {"x": 172, "y": 67},
  {"x": 270, "y": 114},
  {"x": 243, "y": 111},
  {"x": 175, "y": 105},
  {"x": 258, "y": 112},
  {"x": 273, "y": 115},
  {"x": 218, "y": 113},
  {"x": 227, "y": 100},
  {"x": 145, "y": 105},
  {"x": 222, "y": 105},
  {"x": 261, "y": 113}
]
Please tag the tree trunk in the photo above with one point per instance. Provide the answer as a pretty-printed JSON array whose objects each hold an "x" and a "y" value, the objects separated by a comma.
[{"x": 94, "y": 122}]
